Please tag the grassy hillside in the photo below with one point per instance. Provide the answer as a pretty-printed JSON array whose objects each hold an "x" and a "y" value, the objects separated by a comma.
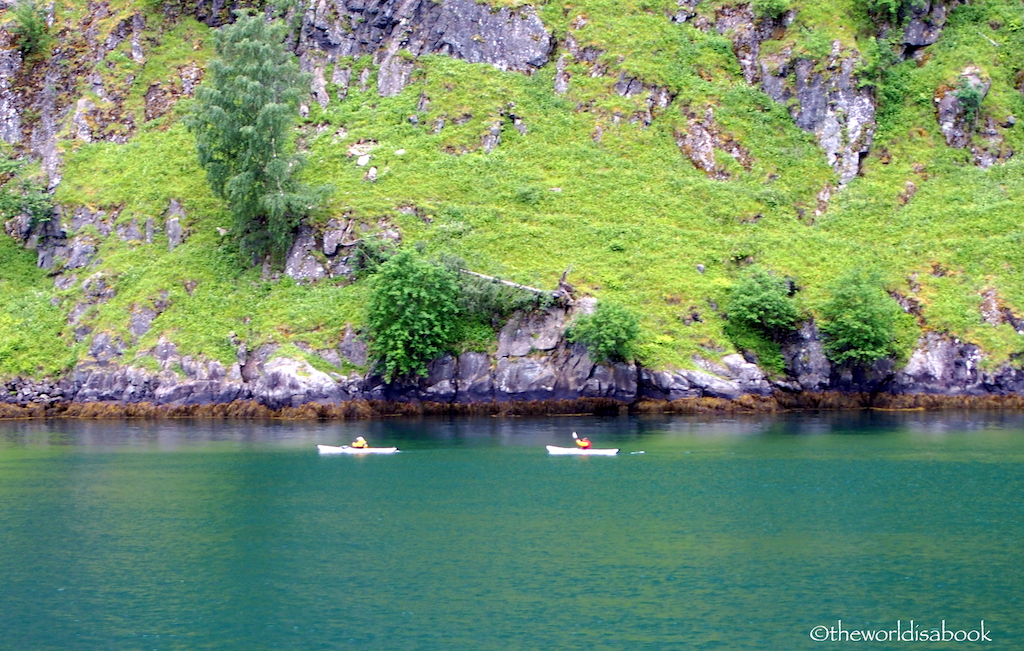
[{"x": 630, "y": 214}]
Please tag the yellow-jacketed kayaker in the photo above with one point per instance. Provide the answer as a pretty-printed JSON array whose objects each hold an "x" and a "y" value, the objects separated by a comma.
[{"x": 360, "y": 443}]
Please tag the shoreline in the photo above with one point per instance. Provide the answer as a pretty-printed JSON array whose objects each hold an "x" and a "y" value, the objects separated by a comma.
[{"x": 372, "y": 409}]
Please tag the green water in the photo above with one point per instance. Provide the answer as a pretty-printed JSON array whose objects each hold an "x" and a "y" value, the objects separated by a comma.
[{"x": 725, "y": 534}]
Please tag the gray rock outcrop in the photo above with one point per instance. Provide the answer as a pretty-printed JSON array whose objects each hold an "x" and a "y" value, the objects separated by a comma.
[
  {"x": 395, "y": 30},
  {"x": 830, "y": 104},
  {"x": 172, "y": 227},
  {"x": 534, "y": 363},
  {"x": 958, "y": 108},
  {"x": 959, "y": 113},
  {"x": 702, "y": 137},
  {"x": 805, "y": 358},
  {"x": 10, "y": 117},
  {"x": 300, "y": 263},
  {"x": 923, "y": 22},
  {"x": 521, "y": 372},
  {"x": 733, "y": 378}
]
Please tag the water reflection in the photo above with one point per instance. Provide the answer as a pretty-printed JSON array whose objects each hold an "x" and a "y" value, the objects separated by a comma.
[{"x": 432, "y": 431}]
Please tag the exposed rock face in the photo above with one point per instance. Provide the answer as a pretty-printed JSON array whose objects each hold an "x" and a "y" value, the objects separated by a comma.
[
  {"x": 945, "y": 366},
  {"x": 734, "y": 378},
  {"x": 805, "y": 359},
  {"x": 958, "y": 111},
  {"x": 172, "y": 227},
  {"x": 10, "y": 119},
  {"x": 300, "y": 263},
  {"x": 290, "y": 383},
  {"x": 924, "y": 22},
  {"x": 655, "y": 98},
  {"x": 130, "y": 232},
  {"x": 473, "y": 378},
  {"x": 941, "y": 365},
  {"x": 535, "y": 363},
  {"x": 392, "y": 30},
  {"x": 141, "y": 321},
  {"x": 990, "y": 145},
  {"x": 747, "y": 33},
  {"x": 161, "y": 96},
  {"x": 702, "y": 137},
  {"x": 333, "y": 252},
  {"x": 957, "y": 108},
  {"x": 830, "y": 105},
  {"x": 43, "y": 138},
  {"x": 353, "y": 348}
]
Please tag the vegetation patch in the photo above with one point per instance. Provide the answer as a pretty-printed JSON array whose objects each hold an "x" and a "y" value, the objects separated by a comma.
[{"x": 576, "y": 179}]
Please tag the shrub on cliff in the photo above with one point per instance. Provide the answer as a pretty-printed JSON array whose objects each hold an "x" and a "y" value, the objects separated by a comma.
[
  {"x": 609, "y": 333},
  {"x": 773, "y": 9},
  {"x": 30, "y": 27},
  {"x": 22, "y": 193},
  {"x": 970, "y": 97},
  {"x": 859, "y": 321},
  {"x": 760, "y": 312},
  {"x": 242, "y": 120},
  {"x": 412, "y": 316},
  {"x": 762, "y": 302}
]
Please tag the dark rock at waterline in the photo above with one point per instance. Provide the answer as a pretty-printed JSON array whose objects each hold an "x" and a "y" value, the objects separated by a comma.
[
  {"x": 805, "y": 359},
  {"x": 542, "y": 372},
  {"x": 473, "y": 380}
]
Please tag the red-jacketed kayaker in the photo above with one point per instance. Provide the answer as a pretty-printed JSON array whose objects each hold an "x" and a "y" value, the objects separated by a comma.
[{"x": 583, "y": 443}]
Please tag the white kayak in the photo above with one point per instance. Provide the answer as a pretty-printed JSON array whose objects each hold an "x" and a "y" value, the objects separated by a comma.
[
  {"x": 345, "y": 449},
  {"x": 603, "y": 452}
]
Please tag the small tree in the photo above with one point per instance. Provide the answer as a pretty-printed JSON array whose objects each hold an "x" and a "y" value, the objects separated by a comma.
[
  {"x": 242, "y": 121},
  {"x": 30, "y": 27},
  {"x": 762, "y": 303},
  {"x": 412, "y": 316},
  {"x": 608, "y": 333},
  {"x": 859, "y": 321},
  {"x": 969, "y": 96}
]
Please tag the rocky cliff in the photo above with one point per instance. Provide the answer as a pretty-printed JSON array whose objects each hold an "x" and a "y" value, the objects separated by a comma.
[
  {"x": 533, "y": 364},
  {"x": 659, "y": 150}
]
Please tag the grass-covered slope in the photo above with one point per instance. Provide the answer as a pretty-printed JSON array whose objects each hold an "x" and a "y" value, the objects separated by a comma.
[{"x": 585, "y": 186}]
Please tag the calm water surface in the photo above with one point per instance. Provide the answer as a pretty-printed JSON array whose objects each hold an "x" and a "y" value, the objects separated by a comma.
[{"x": 724, "y": 534}]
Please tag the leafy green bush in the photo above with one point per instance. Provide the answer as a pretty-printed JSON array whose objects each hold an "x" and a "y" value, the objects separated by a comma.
[
  {"x": 773, "y": 9},
  {"x": 412, "y": 316},
  {"x": 859, "y": 320},
  {"x": 30, "y": 27},
  {"x": 878, "y": 59},
  {"x": 242, "y": 120},
  {"x": 609, "y": 333},
  {"x": 367, "y": 256},
  {"x": 762, "y": 302},
  {"x": 760, "y": 311},
  {"x": 22, "y": 194}
]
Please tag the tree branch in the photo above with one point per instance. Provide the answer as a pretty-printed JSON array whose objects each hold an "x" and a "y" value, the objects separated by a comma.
[{"x": 507, "y": 282}]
